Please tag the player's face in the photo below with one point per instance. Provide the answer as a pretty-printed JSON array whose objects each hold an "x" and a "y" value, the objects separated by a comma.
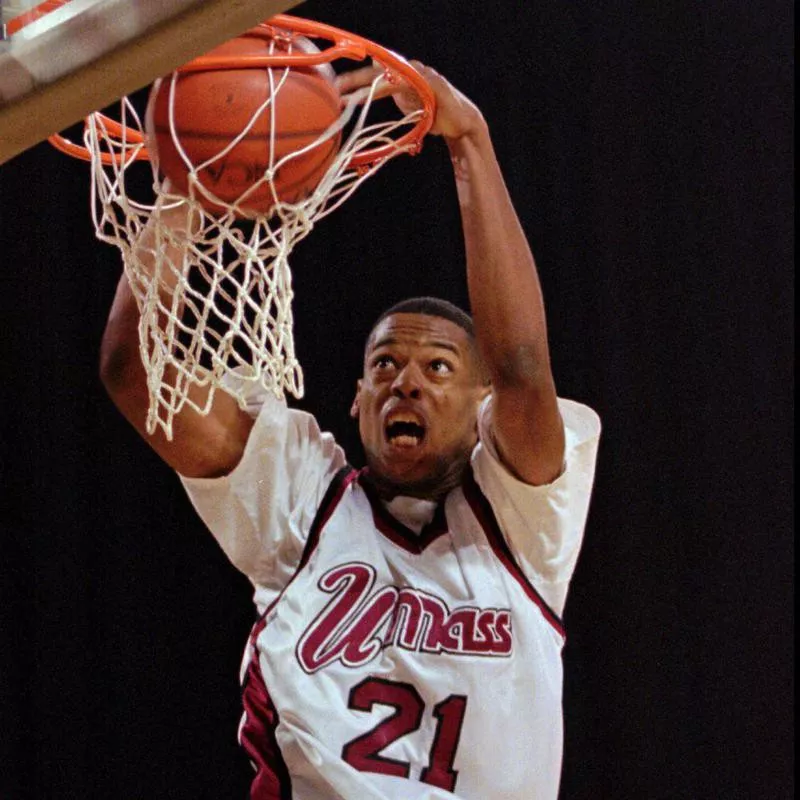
[{"x": 417, "y": 404}]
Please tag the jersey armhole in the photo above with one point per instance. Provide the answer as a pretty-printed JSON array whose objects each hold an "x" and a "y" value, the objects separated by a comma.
[{"x": 483, "y": 511}]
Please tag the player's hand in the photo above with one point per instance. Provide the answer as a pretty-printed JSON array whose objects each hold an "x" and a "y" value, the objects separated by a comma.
[{"x": 456, "y": 115}]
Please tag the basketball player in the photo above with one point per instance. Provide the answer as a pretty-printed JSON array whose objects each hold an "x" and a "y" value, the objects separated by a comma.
[{"x": 409, "y": 640}]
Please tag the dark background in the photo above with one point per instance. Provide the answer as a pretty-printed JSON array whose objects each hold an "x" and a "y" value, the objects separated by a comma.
[{"x": 647, "y": 147}]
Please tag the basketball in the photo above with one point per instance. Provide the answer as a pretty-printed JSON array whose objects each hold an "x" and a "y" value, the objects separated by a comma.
[{"x": 211, "y": 108}]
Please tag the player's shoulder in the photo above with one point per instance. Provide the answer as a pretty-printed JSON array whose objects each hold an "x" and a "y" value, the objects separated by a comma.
[{"x": 582, "y": 423}]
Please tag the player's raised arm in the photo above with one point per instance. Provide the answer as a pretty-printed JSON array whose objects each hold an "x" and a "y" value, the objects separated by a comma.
[
  {"x": 504, "y": 291},
  {"x": 505, "y": 296},
  {"x": 201, "y": 446}
]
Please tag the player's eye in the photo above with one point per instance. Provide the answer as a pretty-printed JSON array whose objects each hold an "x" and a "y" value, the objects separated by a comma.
[
  {"x": 383, "y": 362},
  {"x": 440, "y": 366}
]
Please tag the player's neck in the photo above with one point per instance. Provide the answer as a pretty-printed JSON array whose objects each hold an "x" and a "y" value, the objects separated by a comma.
[{"x": 435, "y": 487}]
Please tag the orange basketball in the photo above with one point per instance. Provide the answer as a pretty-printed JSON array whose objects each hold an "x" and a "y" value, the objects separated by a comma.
[{"x": 211, "y": 108}]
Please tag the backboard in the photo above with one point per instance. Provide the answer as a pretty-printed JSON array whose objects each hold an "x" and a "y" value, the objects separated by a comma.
[{"x": 81, "y": 55}]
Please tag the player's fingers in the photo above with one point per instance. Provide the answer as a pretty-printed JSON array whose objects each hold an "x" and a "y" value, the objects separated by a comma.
[
  {"x": 420, "y": 67},
  {"x": 355, "y": 79},
  {"x": 427, "y": 72},
  {"x": 374, "y": 81},
  {"x": 361, "y": 84}
]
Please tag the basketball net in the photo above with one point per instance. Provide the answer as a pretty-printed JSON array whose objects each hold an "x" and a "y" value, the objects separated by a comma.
[{"x": 215, "y": 292}]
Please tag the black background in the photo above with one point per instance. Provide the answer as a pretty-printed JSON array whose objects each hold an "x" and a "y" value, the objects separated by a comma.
[{"x": 648, "y": 149}]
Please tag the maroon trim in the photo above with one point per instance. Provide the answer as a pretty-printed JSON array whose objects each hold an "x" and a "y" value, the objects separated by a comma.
[
  {"x": 394, "y": 530},
  {"x": 341, "y": 480},
  {"x": 272, "y": 780},
  {"x": 484, "y": 513},
  {"x": 258, "y": 740}
]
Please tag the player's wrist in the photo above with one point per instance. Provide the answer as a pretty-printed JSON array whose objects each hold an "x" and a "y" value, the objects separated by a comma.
[{"x": 470, "y": 141}]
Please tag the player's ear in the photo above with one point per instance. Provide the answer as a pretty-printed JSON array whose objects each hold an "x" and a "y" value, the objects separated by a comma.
[
  {"x": 354, "y": 409},
  {"x": 483, "y": 392}
]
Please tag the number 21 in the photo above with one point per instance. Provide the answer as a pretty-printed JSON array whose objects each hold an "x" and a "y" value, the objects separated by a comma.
[{"x": 363, "y": 752}]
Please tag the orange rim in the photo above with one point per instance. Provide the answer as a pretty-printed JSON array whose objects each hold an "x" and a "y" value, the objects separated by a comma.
[{"x": 345, "y": 45}]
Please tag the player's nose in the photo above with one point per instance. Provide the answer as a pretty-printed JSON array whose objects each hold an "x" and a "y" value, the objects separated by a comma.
[{"x": 408, "y": 382}]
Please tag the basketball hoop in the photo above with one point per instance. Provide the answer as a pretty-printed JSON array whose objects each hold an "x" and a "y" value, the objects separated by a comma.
[{"x": 215, "y": 294}]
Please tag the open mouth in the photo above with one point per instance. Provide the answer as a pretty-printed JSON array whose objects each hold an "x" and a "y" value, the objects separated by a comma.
[{"x": 403, "y": 431}]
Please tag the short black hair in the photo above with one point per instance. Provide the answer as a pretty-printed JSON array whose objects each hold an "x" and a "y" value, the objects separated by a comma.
[
  {"x": 436, "y": 307},
  {"x": 432, "y": 307}
]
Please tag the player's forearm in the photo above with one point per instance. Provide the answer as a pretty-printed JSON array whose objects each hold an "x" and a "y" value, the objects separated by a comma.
[
  {"x": 121, "y": 366},
  {"x": 120, "y": 362},
  {"x": 121, "y": 370},
  {"x": 203, "y": 445},
  {"x": 505, "y": 295}
]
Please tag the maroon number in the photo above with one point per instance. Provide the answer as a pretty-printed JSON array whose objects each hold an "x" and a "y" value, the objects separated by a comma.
[
  {"x": 363, "y": 752},
  {"x": 440, "y": 772}
]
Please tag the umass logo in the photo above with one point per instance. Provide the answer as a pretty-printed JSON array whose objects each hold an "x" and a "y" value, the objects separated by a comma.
[{"x": 359, "y": 621}]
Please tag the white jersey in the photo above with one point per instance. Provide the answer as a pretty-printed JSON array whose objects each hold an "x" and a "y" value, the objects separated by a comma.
[{"x": 400, "y": 660}]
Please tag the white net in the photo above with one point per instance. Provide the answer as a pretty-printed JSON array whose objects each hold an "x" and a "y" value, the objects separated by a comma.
[{"x": 214, "y": 288}]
